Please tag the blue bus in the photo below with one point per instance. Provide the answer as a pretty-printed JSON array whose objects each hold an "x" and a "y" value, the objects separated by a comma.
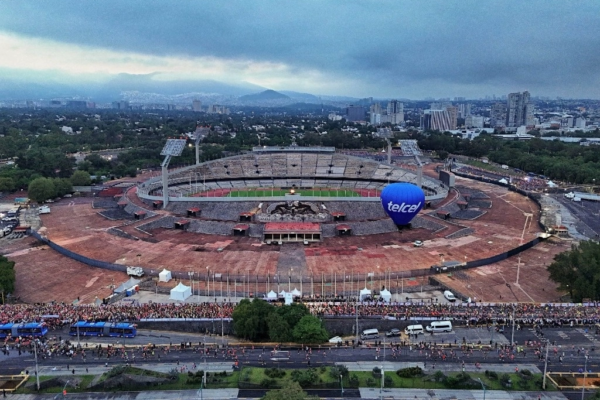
[
  {"x": 112, "y": 329},
  {"x": 28, "y": 329}
]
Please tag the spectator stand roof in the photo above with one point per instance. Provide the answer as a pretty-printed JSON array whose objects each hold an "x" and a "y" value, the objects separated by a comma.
[
  {"x": 241, "y": 227},
  {"x": 292, "y": 227}
]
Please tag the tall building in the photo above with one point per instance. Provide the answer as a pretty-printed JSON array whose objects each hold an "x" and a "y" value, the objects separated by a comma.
[
  {"x": 395, "y": 111},
  {"x": 519, "y": 110},
  {"x": 498, "y": 115},
  {"x": 437, "y": 120},
  {"x": 120, "y": 105},
  {"x": 197, "y": 105},
  {"x": 355, "y": 113}
]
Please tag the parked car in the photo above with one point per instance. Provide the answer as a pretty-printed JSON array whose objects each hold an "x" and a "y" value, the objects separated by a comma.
[
  {"x": 393, "y": 332},
  {"x": 418, "y": 243}
]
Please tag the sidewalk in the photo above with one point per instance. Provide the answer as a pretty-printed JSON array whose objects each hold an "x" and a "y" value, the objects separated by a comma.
[
  {"x": 162, "y": 367},
  {"x": 209, "y": 394},
  {"x": 455, "y": 367},
  {"x": 423, "y": 394}
]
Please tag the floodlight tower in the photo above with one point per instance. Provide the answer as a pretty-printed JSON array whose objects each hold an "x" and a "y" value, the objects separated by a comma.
[
  {"x": 200, "y": 133},
  {"x": 173, "y": 148}
]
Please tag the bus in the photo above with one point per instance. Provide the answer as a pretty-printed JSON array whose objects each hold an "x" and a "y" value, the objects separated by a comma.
[
  {"x": 111, "y": 329},
  {"x": 28, "y": 329},
  {"x": 279, "y": 355}
]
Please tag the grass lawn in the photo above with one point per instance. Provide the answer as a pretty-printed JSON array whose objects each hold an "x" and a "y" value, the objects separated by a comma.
[
  {"x": 255, "y": 375},
  {"x": 280, "y": 192},
  {"x": 366, "y": 379},
  {"x": 85, "y": 381},
  {"x": 489, "y": 167}
]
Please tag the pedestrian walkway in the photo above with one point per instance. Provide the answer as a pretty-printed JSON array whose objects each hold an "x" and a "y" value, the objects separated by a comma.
[
  {"x": 157, "y": 367},
  {"x": 433, "y": 366},
  {"x": 207, "y": 394},
  {"x": 434, "y": 394}
]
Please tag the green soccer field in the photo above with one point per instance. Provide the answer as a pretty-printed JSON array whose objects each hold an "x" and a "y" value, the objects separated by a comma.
[{"x": 261, "y": 192}]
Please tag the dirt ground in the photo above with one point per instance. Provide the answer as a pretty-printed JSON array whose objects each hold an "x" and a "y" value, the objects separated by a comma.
[{"x": 78, "y": 227}]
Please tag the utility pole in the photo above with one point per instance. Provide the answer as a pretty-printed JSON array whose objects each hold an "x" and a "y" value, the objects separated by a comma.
[
  {"x": 545, "y": 365},
  {"x": 37, "y": 374},
  {"x": 512, "y": 336}
]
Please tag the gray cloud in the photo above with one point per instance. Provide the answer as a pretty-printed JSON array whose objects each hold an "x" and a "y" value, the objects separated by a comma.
[{"x": 547, "y": 47}]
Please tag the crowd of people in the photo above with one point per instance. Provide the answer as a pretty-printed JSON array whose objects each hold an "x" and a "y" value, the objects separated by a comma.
[{"x": 59, "y": 314}]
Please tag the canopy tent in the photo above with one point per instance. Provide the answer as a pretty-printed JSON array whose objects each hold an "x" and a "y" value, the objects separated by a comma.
[
  {"x": 296, "y": 293},
  {"x": 164, "y": 275},
  {"x": 364, "y": 293},
  {"x": 386, "y": 295},
  {"x": 551, "y": 184},
  {"x": 271, "y": 295},
  {"x": 180, "y": 292},
  {"x": 282, "y": 294},
  {"x": 127, "y": 285}
]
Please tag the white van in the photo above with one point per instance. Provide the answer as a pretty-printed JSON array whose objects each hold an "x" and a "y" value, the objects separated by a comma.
[
  {"x": 414, "y": 330},
  {"x": 369, "y": 334},
  {"x": 448, "y": 295},
  {"x": 440, "y": 326}
]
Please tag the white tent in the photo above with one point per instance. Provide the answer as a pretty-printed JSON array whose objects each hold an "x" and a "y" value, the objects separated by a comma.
[
  {"x": 386, "y": 295},
  {"x": 282, "y": 294},
  {"x": 271, "y": 295},
  {"x": 180, "y": 292},
  {"x": 364, "y": 293},
  {"x": 551, "y": 184},
  {"x": 164, "y": 275},
  {"x": 296, "y": 293}
]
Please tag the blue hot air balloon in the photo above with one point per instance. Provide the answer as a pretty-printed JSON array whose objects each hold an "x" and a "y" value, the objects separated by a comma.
[{"x": 402, "y": 201}]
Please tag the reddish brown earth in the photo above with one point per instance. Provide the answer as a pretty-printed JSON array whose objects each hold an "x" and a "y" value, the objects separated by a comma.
[{"x": 44, "y": 275}]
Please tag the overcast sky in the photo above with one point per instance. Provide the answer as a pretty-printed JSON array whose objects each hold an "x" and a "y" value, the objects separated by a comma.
[{"x": 379, "y": 48}]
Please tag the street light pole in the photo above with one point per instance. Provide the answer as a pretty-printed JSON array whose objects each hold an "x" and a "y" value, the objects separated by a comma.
[
  {"x": 545, "y": 365},
  {"x": 37, "y": 374},
  {"x": 381, "y": 388},
  {"x": 482, "y": 386},
  {"x": 584, "y": 378}
]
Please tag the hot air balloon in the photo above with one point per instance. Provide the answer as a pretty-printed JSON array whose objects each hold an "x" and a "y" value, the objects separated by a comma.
[{"x": 402, "y": 201}]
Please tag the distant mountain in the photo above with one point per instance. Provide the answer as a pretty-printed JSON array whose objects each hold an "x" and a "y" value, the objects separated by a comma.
[
  {"x": 302, "y": 97},
  {"x": 267, "y": 95}
]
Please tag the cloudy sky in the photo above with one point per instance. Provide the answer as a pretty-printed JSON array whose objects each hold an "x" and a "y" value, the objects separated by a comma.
[{"x": 379, "y": 48}]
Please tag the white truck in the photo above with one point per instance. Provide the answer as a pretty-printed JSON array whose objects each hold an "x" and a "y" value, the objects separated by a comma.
[
  {"x": 44, "y": 210},
  {"x": 135, "y": 271}
]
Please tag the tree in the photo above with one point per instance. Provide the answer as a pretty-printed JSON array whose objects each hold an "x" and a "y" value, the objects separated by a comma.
[
  {"x": 7, "y": 276},
  {"x": 7, "y": 185},
  {"x": 279, "y": 329},
  {"x": 250, "y": 319},
  {"x": 81, "y": 178},
  {"x": 41, "y": 189},
  {"x": 310, "y": 330},
  {"x": 62, "y": 186},
  {"x": 578, "y": 271},
  {"x": 290, "y": 391}
]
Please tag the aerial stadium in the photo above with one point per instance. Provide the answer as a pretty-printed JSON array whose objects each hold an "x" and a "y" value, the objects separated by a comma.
[{"x": 309, "y": 219}]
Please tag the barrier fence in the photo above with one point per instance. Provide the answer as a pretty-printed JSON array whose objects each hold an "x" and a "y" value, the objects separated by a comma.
[{"x": 322, "y": 285}]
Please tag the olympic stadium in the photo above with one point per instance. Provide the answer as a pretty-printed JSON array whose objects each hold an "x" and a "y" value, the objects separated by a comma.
[{"x": 309, "y": 219}]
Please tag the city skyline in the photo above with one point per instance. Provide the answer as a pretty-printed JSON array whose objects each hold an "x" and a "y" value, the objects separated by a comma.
[{"x": 383, "y": 49}]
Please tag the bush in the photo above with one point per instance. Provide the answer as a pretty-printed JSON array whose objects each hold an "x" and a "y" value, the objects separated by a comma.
[
  {"x": 268, "y": 383},
  {"x": 505, "y": 380},
  {"x": 387, "y": 381},
  {"x": 491, "y": 375},
  {"x": 338, "y": 370},
  {"x": 275, "y": 373},
  {"x": 409, "y": 372},
  {"x": 354, "y": 381},
  {"x": 370, "y": 382},
  {"x": 173, "y": 374},
  {"x": 439, "y": 376},
  {"x": 323, "y": 369},
  {"x": 306, "y": 378}
]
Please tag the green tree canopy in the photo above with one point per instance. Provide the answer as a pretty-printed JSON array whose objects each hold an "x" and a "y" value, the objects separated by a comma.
[
  {"x": 81, "y": 178},
  {"x": 310, "y": 330},
  {"x": 290, "y": 391},
  {"x": 7, "y": 276},
  {"x": 578, "y": 271},
  {"x": 41, "y": 189}
]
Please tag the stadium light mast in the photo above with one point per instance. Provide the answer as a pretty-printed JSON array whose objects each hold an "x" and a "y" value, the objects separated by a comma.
[
  {"x": 200, "y": 133},
  {"x": 173, "y": 148}
]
